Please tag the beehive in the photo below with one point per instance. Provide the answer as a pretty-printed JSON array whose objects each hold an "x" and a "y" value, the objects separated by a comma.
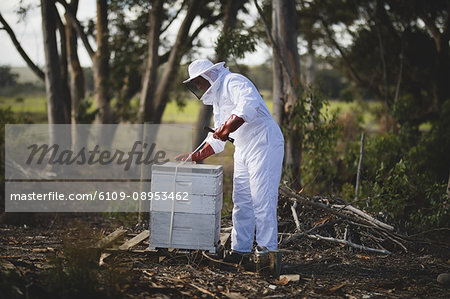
[{"x": 189, "y": 217}]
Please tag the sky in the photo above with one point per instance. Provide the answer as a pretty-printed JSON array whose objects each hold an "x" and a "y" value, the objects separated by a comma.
[{"x": 29, "y": 33}]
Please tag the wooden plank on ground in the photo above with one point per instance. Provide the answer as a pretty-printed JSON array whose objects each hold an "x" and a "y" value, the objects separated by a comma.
[
  {"x": 224, "y": 238},
  {"x": 136, "y": 240},
  {"x": 109, "y": 239},
  {"x": 125, "y": 246}
]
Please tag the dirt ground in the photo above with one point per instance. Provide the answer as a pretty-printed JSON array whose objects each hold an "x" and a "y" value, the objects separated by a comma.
[{"x": 54, "y": 258}]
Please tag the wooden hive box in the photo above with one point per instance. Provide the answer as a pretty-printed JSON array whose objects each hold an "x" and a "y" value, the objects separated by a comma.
[{"x": 186, "y": 214}]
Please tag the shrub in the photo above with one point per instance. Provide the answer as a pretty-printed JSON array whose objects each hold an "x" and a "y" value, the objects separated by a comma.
[
  {"x": 6, "y": 117},
  {"x": 404, "y": 173}
]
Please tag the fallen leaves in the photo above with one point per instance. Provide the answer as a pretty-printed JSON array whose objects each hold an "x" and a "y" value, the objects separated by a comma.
[
  {"x": 336, "y": 288},
  {"x": 361, "y": 256}
]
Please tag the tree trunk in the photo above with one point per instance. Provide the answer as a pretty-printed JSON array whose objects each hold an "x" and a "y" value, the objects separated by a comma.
[
  {"x": 55, "y": 103},
  {"x": 206, "y": 111},
  {"x": 162, "y": 92},
  {"x": 155, "y": 96},
  {"x": 63, "y": 66},
  {"x": 149, "y": 81},
  {"x": 76, "y": 72},
  {"x": 442, "y": 65},
  {"x": 387, "y": 101},
  {"x": 311, "y": 76},
  {"x": 101, "y": 66},
  {"x": 204, "y": 119},
  {"x": 278, "y": 97},
  {"x": 286, "y": 78},
  {"x": 76, "y": 78},
  {"x": 442, "y": 73}
]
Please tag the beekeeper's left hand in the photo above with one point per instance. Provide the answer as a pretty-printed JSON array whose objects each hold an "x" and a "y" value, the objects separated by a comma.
[{"x": 231, "y": 125}]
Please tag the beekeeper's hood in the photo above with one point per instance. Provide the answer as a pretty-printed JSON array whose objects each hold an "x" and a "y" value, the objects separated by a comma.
[{"x": 209, "y": 71}]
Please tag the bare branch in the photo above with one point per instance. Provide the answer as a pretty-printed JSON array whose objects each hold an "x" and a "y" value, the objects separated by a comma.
[
  {"x": 347, "y": 61},
  {"x": 19, "y": 48},
  {"x": 294, "y": 214},
  {"x": 174, "y": 18},
  {"x": 431, "y": 26},
  {"x": 211, "y": 20},
  {"x": 62, "y": 32},
  {"x": 164, "y": 58},
  {"x": 400, "y": 72},
  {"x": 358, "y": 173},
  {"x": 345, "y": 242},
  {"x": 340, "y": 50},
  {"x": 366, "y": 216},
  {"x": 434, "y": 30}
]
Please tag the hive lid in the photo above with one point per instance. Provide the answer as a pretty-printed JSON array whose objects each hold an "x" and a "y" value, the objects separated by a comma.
[{"x": 188, "y": 168}]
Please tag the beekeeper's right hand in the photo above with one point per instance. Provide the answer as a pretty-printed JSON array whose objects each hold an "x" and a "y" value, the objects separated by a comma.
[{"x": 201, "y": 155}]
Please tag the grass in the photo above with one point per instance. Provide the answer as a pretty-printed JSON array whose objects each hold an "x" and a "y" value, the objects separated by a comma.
[
  {"x": 188, "y": 113},
  {"x": 38, "y": 106},
  {"x": 367, "y": 111},
  {"x": 35, "y": 109},
  {"x": 25, "y": 105},
  {"x": 367, "y": 108}
]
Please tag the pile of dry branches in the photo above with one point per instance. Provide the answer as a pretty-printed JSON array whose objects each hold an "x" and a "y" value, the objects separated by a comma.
[{"x": 333, "y": 220}]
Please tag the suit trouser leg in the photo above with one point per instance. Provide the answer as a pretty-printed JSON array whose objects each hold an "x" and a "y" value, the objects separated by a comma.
[
  {"x": 265, "y": 174},
  {"x": 243, "y": 231}
]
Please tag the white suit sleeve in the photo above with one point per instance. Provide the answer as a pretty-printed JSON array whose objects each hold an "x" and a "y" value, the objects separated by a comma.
[
  {"x": 246, "y": 98},
  {"x": 216, "y": 144}
]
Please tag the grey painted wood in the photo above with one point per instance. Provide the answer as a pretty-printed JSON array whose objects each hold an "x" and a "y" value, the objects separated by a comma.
[
  {"x": 190, "y": 231},
  {"x": 187, "y": 182},
  {"x": 196, "y": 221},
  {"x": 189, "y": 168},
  {"x": 196, "y": 204}
]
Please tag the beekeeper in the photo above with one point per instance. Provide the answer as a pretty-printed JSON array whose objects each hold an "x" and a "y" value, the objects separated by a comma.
[{"x": 240, "y": 113}]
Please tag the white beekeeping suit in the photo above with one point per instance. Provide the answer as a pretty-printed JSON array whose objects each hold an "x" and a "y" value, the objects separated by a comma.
[{"x": 258, "y": 154}]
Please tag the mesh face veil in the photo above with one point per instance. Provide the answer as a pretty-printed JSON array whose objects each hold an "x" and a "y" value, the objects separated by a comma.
[
  {"x": 205, "y": 69},
  {"x": 193, "y": 88}
]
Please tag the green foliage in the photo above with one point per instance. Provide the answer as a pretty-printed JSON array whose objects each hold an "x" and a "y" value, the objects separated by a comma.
[
  {"x": 7, "y": 78},
  {"x": 235, "y": 43},
  {"x": 438, "y": 212},
  {"x": 86, "y": 113},
  {"x": 331, "y": 82},
  {"x": 404, "y": 174},
  {"x": 410, "y": 196},
  {"x": 23, "y": 89},
  {"x": 128, "y": 48},
  {"x": 320, "y": 133},
  {"x": 394, "y": 189},
  {"x": 11, "y": 86},
  {"x": 6, "y": 117}
]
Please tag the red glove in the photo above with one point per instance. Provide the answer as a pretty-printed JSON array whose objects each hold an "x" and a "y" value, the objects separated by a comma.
[
  {"x": 201, "y": 155},
  {"x": 231, "y": 125}
]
